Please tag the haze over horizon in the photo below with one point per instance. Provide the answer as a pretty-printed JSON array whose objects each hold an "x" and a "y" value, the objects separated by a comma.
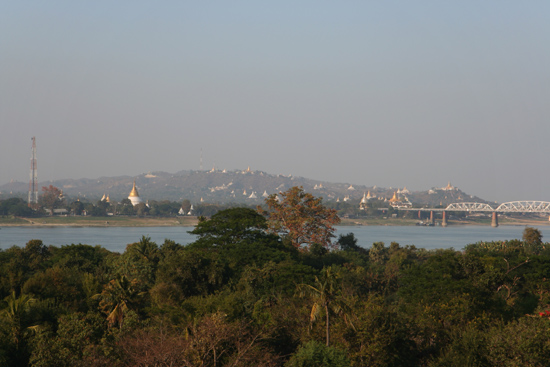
[{"x": 393, "y": 93}]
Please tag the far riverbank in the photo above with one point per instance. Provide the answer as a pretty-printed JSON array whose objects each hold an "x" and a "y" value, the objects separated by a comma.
[
  {"x": 112, "y": 221},
  {"x": 122, "y": 221}
]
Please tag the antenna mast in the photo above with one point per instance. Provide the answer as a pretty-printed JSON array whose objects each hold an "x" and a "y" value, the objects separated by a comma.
[{"x": 33, "y": 183}]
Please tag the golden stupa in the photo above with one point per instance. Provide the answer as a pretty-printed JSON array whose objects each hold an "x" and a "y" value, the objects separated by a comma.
[
  {"x": 134, "y": 192},
  {"x": 394, "y": 199}
]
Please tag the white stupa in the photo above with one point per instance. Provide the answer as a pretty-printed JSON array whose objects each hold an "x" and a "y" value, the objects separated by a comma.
[{"x": 134, "y": 196}]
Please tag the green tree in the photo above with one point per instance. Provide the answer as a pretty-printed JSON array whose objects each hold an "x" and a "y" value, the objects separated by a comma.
[
  {"x": 77, "y": 207},
  {"x": 144, "y": 249},
  {"x": 532, "y": 235},
  {"x": 532, "y": 239},
  {"x": 126, "y": 207},
  {"x": 239, "y": 236},
  {"x": 139, "y": 262},
  {"x": 99, "y": 210},
  {"x": 76, "y": 338},
  {"x": 348, "y": 242},
  {"x": 141, "y": 209},
  {"x": 524, "y": 342},
  {"x": 190, "y": 272},
  {"x": 327, "y": 298},
  {"x": 300, "y": 217},
  {"x": 16, "y": 207},
  {"x": 119, "y": 296},
  {"x": 59, "y": 284},
  {"x": 378, "y": 253},
  {"x": 229, "y": 227},
  {"x": 16, "y": 315},
  {"x": 314, "y": 354}
]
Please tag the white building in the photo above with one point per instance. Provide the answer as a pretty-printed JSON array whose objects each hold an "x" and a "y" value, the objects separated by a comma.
[{"x": 134, "y": 196}]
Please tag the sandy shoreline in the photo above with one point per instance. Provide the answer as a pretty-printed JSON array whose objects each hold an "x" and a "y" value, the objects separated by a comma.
[{"x": 98, "y": 222}]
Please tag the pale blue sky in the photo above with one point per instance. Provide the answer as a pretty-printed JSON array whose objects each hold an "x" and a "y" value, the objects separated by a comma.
[{"x": 393, "y": 93}]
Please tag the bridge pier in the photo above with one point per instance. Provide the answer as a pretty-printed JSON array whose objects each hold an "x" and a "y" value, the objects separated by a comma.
[
  {"x": 444, "y": 219},
  {"x": 432, "y": 220},
  {"x": 494, "y": 220}
]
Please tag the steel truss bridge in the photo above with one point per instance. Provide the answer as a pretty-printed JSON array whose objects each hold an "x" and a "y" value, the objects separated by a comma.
[
  {"x": 542, "y": 207},
  {"x": 510, "y": 207}
]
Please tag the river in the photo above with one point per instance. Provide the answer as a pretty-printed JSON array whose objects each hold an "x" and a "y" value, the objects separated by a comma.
[{"x": 116, "y": 238}]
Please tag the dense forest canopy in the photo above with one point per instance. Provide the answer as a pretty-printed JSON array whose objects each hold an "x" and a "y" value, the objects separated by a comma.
[{"x": 242, "y": 295}]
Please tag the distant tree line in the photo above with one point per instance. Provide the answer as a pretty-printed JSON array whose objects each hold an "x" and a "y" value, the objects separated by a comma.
[
  {"x": 52, "y": 201},
  {"x": 52, "y": 198}
]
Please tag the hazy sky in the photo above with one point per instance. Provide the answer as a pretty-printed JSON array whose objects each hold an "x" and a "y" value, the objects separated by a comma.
[{"x": 387, "y": 93}]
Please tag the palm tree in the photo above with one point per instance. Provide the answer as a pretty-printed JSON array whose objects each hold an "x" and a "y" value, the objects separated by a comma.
[
  {"x": 145, "y": 249},
  {"x": 326, "y": 297},
  {"x": 119, "y": 296},
  {"x": 16, "y": 312}
]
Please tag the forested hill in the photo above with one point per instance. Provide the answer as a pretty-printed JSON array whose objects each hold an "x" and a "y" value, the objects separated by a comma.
[{"x": 247, "y": 187}]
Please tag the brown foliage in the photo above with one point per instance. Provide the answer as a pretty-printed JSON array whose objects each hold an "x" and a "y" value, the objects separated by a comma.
[
  {"x": 51, "y": 196},
  {"x": 301, "y": 217},
  {"x": 211, "y": 342}
]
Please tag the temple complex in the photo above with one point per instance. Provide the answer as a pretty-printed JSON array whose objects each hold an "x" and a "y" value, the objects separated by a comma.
[{"x": 397, "y": 202}]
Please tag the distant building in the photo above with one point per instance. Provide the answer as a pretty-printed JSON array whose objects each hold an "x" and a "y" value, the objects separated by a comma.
[
  {"x": 449, "y": 187},
  {"x": 365, "y": 200},
  {"x": 134, "y": 196},
  {"x": 404, "y": 191},
  {"x": 398, "y": 203},
  {"x": 106, "y": 198},
  {"x": 58, "y": 212}
]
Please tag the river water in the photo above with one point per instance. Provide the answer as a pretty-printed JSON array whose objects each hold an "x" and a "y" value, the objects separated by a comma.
[{"x": 116, "y": 238}]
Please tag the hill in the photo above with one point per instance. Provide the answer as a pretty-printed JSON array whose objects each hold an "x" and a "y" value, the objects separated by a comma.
[{"x": 223, "y": 187}]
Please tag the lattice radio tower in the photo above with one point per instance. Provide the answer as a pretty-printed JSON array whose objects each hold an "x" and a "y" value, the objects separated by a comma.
[{"x": 33, "y": 183}]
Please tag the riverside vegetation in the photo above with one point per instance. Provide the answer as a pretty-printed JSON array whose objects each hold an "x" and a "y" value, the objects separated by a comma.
[{"x": 256, "y": 289}]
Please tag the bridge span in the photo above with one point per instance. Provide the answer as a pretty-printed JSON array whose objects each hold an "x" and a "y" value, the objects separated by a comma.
[
  {"x": 509, "y": 207},
  {"x": 542, "y": 207}
]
